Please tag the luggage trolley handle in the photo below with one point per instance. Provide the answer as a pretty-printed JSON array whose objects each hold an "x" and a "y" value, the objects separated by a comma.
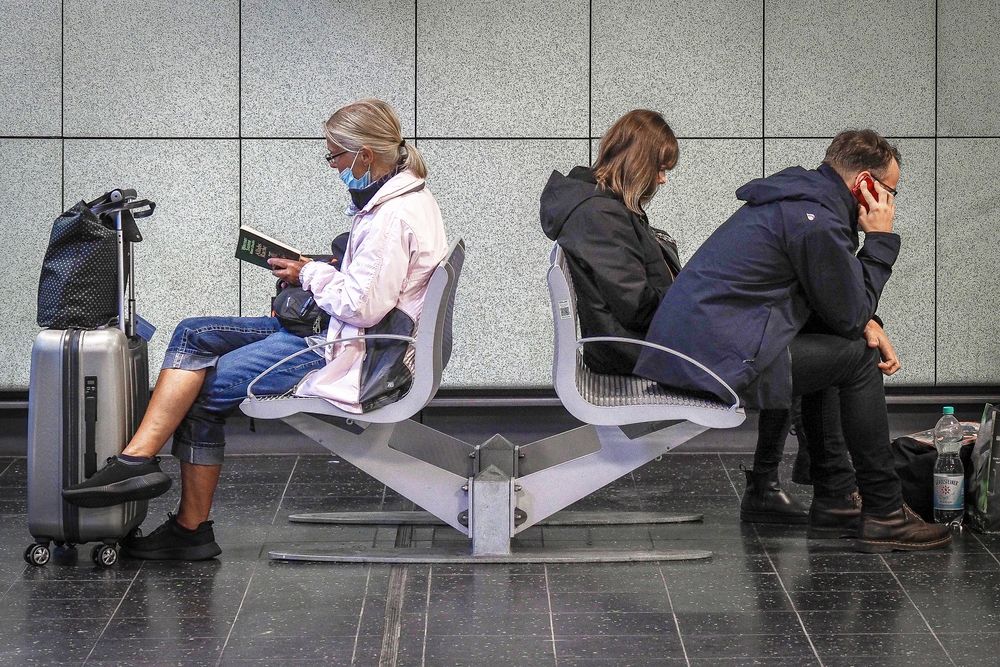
[
  {"x": 126, "y": 305},
  {"x": 113, "y": 197},
  {"x": 125, "y": 211}
]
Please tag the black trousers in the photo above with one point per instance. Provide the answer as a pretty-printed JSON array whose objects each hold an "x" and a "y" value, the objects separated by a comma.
[
  {"x": 821, "y": 361},
  {"x": 829, "y": 471},
  {"x": 843, "y": 410}
]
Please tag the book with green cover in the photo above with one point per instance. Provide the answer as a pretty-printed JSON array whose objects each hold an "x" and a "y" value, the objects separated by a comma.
[{"x": 256, "y": 247}]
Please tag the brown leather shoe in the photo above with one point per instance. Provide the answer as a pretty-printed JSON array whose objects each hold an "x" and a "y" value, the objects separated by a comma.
[
  {"x": 831, "y": 518},
  {"x": 903, "y": 530}
]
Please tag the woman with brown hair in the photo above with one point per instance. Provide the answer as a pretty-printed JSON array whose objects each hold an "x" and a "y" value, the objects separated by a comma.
[{"x": 620, "y": 265}]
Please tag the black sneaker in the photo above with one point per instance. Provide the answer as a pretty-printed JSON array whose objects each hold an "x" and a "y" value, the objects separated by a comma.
[
  {"x": 171, "y": 541},
  {"x": 119, "y": 482}
]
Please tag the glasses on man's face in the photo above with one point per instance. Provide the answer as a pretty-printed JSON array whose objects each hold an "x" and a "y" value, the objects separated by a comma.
[
  {"x": 892, "y": 191},
  {"x": 330, "y": 157}
]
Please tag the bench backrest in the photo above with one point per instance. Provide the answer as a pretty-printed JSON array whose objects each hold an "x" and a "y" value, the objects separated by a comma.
[
  {"x": 565, "y": 323},
  {"x": 432, "y": 349}
]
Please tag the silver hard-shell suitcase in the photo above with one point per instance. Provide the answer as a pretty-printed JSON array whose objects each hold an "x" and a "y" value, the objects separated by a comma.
[{"x": 88, "y": 391}]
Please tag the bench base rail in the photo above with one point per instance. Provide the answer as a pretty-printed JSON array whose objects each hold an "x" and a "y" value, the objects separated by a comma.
[
  {"x": 493, "y": 491},
  {"x": 419, "y": 518},
  {"x": 458, "y": 554}
]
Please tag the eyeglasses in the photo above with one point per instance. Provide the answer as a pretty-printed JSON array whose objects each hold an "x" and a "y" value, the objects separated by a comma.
[
  {"x": 892, "y": 191},
  {"x": 330, "y": 157}
]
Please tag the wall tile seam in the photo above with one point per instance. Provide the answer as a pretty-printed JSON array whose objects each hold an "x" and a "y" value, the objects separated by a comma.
[
  {"x": 937, "y": 296},
  {"x": 16, "y": 137}
]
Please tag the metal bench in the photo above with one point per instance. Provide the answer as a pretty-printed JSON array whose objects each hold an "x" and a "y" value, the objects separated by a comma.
[{"x": 496, "y": 490}]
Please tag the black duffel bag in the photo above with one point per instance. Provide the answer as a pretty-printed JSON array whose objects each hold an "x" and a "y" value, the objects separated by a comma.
[
  {"x": 78, "y": 286},
  {"x": 914, "y": 462}
]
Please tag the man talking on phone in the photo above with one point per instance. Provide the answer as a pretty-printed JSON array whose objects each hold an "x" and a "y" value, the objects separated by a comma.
[{"x": 790, "y": 256}]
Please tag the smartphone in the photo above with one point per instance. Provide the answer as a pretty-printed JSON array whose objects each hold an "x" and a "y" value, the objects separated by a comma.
[{"x": 866, "y": 182}]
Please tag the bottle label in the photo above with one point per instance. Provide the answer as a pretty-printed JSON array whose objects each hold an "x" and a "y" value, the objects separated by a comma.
[{"x": 949, "y": 492}]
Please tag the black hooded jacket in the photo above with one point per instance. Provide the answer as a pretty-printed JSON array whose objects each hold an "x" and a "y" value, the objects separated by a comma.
[{"x": 620, "y": 270}]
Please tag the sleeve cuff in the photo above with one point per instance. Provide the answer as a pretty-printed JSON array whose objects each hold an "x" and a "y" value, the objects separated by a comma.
[
  {"x": 310, "y": 271},
  {"x": 882, "y": 247}
]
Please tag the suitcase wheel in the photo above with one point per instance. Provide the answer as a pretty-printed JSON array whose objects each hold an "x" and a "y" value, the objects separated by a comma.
[
  {"x": 37, "y": 554},
  {"x": 104, "y": 555}
]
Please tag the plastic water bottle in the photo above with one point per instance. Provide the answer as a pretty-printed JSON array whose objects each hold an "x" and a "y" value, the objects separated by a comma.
[{"x": 949, "y": 474}]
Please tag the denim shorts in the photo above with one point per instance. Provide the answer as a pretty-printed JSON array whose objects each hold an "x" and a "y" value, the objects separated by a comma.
[{"x": 235, "y": 350}]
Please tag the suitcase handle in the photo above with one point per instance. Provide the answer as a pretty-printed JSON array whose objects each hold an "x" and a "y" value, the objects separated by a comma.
[
  {"x": 116, "y": 195},
  {"x": 141, "y": 208},
  {"x": 90, "y": 425}
]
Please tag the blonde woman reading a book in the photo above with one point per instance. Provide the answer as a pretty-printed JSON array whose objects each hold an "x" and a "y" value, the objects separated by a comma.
[{"x": 397, "y": 239}]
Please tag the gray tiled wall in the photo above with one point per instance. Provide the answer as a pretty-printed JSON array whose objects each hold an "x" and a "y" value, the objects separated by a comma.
[
  {"x": 184, "y": 265},
  {"x": 31, "y": 181},
  {"x": 968, "y": 264},
  {"x": 831, "y": 64},
  {"x": 214, "y": 110},
  {"x": 698, "y": 63},
  {"x": 159, "y": 68}
]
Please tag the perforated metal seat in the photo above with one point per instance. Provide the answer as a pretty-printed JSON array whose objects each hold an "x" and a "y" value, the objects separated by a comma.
[
  {"x": 618, "y": 400},
  {"x": 432, "y": 351}
]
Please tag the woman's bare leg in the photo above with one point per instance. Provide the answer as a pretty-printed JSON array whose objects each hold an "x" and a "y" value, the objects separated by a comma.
[{"x": 175, "y": 393}]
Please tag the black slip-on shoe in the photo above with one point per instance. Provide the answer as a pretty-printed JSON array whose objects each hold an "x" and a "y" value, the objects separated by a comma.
[
  {"x": 171, "y": 541},
  {"x": 119, "y": 482}
]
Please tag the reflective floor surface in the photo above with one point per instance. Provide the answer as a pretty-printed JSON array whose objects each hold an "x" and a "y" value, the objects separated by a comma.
[{"x": 768, "y": 596}]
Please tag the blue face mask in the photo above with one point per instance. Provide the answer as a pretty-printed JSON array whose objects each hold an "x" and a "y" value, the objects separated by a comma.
[{"x": 352, "y": 183}]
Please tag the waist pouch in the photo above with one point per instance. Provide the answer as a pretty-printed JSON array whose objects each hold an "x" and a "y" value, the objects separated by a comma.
[{"x": 296, "y": 308}]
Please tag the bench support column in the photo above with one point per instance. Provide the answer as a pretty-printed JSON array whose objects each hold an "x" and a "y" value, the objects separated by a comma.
[{"x": 491, "y": 516}]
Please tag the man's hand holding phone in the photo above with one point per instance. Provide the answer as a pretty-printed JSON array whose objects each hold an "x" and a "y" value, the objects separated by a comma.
[{"x": 878, "y": 209}]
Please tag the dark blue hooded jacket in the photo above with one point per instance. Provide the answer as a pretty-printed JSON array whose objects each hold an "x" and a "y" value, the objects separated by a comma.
[{"x": 786, "y": 255}]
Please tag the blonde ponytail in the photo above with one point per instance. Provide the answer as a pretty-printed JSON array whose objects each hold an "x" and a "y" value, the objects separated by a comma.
[{"x": 374, "y": 124}]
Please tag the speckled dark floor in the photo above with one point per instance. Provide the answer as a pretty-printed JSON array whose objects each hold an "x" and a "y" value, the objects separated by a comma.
[{"x": 767, "y": 597}]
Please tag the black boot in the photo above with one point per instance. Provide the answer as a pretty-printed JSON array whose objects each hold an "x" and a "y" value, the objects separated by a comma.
[
  {"x": 801, "y": 473},
  {"x": 833, "y": 517},
  {"x": 766, "y": 502}
]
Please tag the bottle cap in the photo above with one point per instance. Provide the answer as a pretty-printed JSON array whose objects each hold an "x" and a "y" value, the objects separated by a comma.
[{"x": 948, "y": 410}]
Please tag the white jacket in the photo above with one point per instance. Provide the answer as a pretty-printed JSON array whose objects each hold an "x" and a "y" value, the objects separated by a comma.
[{"x": 396, "y": 242}]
